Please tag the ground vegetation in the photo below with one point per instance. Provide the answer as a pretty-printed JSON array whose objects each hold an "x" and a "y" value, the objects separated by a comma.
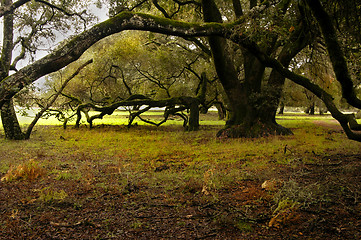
[{"x": 152, "y": 183}]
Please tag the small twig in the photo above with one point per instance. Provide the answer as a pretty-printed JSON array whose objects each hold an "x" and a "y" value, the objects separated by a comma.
[
  {"x": 83, "y": 222},
  {"x": 287, "y": 149},
  {"x": 54, "y": 224},
  {"x": 207, "y": 236},
  {"x": 152, "y": 216},
  {"x": 70, "y": 14},
  {"x": 324, "y": 164}
]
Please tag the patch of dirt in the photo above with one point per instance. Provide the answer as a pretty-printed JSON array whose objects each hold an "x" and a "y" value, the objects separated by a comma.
[
  {"x": 330, "y": 124},
  {"x": 332, "y": 210}
]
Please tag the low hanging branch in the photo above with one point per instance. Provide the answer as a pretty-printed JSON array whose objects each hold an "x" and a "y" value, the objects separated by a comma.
[
  {"x": 71, "y": 51},
  {"x": 173, "y": 106},
  {"x": 167, "y": 113},
  {"x": 53, "y": 99},
  {"x": 140, "y": 100},
  {"x": 335, "y": 53}
]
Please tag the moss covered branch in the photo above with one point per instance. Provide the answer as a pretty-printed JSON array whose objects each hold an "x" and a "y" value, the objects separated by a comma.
[
  {"x": 184, "y": 103},
  {"x": 335, "y": 52},
  {"x": 73, "y": 49}
]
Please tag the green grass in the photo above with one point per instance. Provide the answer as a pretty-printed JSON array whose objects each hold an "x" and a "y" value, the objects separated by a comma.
[
  {"x": 144, "y": 148},
  {"x": 117, "y": 118},
  {"x": 147, "y": 164}
]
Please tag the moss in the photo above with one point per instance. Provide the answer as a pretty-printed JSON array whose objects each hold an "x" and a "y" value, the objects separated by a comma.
[
  {"x": 185, "y": 27},
  {"x": 4, "y": 80}
]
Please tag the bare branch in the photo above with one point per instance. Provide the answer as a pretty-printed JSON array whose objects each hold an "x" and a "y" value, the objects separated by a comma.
[
  {"x": 161, "y": 9},
  {"x": 9, "y": 9},
  {"x": 187, "y": 2},
  {"x": 54, "y": 97},
  {"x": 64, "y": 11},
  {"x": 137, "y": 5},
  {"x": 153, "y": 79},
  {"x": 123, "y": 79}
]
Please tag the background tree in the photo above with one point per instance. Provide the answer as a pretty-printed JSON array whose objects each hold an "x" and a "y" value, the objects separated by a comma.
[
  {"x": 32, "y": 26},
  {"x": 141, "y": 65}
]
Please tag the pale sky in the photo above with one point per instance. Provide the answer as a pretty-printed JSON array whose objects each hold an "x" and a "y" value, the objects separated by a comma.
[{"x": 100, "y": 13}]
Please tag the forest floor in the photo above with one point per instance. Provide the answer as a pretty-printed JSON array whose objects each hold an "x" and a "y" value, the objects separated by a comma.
[{"x": 112, "y": 182}]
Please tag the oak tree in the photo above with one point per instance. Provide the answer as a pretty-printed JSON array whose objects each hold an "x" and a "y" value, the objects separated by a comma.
[{"x": 268, "y": 35}]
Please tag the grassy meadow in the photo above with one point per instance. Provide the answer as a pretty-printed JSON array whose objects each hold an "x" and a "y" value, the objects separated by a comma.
[{"x": 148, "y": 182}]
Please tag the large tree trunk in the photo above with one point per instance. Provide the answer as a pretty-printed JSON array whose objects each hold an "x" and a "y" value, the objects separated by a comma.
[
  {"x": 8, "y": 116},
  {"x": 245, "y": 98},
  {"x": 193, "y": 122},
  {"x": 297, "y": 42},
  {"x": 10, "y": 122},
  {"x": 264, "y": 101},
  {"x": 228, "y": 75}
]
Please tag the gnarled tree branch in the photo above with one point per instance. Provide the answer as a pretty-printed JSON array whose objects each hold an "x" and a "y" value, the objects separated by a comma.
[
  {"x": 268, "y": 61},
  {"x": 54, "y": 97},
  {"x": 335, "y": 53},
  {"x": 77, "y": 46}
]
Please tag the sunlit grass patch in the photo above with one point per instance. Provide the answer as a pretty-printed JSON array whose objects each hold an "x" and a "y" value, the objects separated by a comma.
[
  {"x": 151, "y": 156},
  {"x": 49, "y": 194},
  {"x": 66, "y": 175}
]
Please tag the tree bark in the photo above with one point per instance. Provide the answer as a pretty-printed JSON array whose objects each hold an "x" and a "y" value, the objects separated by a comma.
[
  {"x": 11, "y": 125},
  {"x": 282, "y": 109},
  {"x": 221, "y": 111},
  {"x": 8, "y": 115},
  {"x": 227, "y": 74},
  {"x": 193, "y": 122},
  {"x": 296, "y": 43}
]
